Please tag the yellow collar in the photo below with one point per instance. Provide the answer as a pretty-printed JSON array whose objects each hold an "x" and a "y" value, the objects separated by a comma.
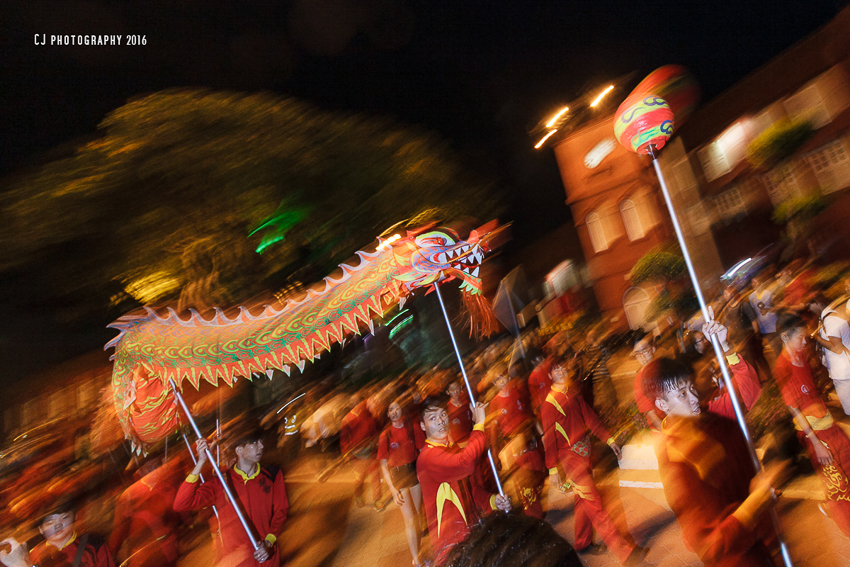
[
  {"x": 69, "y": 542},
  {"x": 245, "y": 477},
  {"x": 438, "y": 444}
]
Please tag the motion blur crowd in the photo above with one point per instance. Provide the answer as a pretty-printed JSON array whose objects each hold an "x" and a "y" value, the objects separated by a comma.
[{"x": 548, "y": 413}]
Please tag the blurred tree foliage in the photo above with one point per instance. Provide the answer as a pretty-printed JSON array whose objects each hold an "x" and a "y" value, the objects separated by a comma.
[
  {"x": 219, "y": 195},
  {"x": 658, "y": 265},
  {"x": 778, "y": 142}
]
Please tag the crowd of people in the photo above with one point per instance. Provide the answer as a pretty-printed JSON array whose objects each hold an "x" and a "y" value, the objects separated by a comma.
[{"x": 472, "y": 475}]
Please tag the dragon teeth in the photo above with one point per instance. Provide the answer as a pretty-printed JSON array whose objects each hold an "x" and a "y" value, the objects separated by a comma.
[{"x": 475, "y": 272}]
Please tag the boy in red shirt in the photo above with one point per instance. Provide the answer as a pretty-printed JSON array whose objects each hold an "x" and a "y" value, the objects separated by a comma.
[
  {"x": 708, "y": 476},
  {"x": 459, "y": 414},
  {"x": 260, "y": 491},
  {"x": 63, "y": 544},
  {"x": 514, "y": 427},
  {"x": 828, "y": 446},
  {"x": 397, "y": 453},
  {"x": 566, "y": 418},
  {"x": 145, "y": 523},
  {"x": 358, "y": 436},
  {"x": 445, "y": 471}
]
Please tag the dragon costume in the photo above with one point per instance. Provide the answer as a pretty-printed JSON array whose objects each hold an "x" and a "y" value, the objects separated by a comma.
[{"x": 152, "y": 348}]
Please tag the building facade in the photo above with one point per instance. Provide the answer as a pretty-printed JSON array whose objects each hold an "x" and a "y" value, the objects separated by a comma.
[
  {"x": 807, "y": 87},
  {"x": 617, "y": 211}
]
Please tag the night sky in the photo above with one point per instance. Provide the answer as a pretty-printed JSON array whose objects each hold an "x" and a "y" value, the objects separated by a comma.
[{"x": 480, "y": 73}]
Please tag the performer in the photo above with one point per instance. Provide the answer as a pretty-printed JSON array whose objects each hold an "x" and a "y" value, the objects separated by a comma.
[
  {"x": 445, "y": 472},
  {"x": 566, "y": 419},
  {"x": 827, "y": 444},
  {"x": 357, "y": 438},
  {"x": 707, "y": 473},
  {"x": 514, "y": 434},
  {"x": 397, "y": 453},
  {"x": 644, "y": 353},
  {"x": 63, "y": 545},
  {"x": 145, "y": 520},
  {"x": 744, "y": 377},
  {"x": 459, "y": 414},
  {"x": 259, "y": 490},
  {"x": 539, "y": 382}
]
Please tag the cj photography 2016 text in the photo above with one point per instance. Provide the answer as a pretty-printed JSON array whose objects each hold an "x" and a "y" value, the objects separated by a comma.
[{"x": 89, "y": 39}]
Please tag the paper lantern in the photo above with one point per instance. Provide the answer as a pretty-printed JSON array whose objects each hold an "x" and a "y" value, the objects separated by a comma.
[
  {"x": 644, "y": 122},
  {"x": 675, "y": 85}
]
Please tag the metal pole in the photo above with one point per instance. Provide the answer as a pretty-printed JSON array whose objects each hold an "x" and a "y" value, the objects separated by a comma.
[
  {"x": 195, "y": 462},
  {"x": 216, "y": 470},
  {"x": 718, "y": 351},
  {"x": 466, "y": 382}
]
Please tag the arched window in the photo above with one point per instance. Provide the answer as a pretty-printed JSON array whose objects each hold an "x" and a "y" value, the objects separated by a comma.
[
  {"x": 635, "y": 302},
  {"x": 631, "y": 220},
  {"x": 597, "y": 234}
]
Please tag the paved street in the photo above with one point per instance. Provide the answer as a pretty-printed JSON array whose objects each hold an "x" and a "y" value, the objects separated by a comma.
[{"x": 327, "y": 529}]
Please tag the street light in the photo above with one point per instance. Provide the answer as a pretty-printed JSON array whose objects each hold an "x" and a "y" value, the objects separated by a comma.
[
  {"x": 555, "y": 118},
  {"x": 543, "y": 140},
  {"x": 602, "y": 94}
]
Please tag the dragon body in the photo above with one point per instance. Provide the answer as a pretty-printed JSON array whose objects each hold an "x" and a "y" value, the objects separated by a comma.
[{"x": 154, "y": 348}]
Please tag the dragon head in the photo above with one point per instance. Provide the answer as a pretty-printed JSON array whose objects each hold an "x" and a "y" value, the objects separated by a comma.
[{"x": 439, "y": 254}]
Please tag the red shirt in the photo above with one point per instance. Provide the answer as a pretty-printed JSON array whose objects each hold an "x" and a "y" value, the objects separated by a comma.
[
  {"x": 644, "y": 404},
  {"x": 566, "y": 418},
  {"x": 460, "y": 420},
  {"x": 396, "y": 445},
  {"x": 746, "y": 382},
  {"x": 706, "y": 471},
  {"x": 450, "y": 491},
  {"x": 539, "y": 384},
  {"x": 96, "y": 554},
  {"x": 146, "y": 522},
  {"x": 262, "y": 497},
  {"x": 797, "y": 386},
  {"x": 510, "y": 412},
  {"x": 358, "y": 431}
]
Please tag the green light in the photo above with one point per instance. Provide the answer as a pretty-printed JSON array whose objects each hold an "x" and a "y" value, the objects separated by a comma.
[
  {"x": 401, "y": 325},
  {"x": 276, "y": 226},
  {"x": 399, "y": 314},
  {"x": 268, "y": 242}
]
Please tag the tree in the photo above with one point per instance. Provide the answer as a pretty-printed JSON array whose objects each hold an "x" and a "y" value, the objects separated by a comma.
[
  {"x": 217, "y": 195},
  {"x": 658, "y": 266}
]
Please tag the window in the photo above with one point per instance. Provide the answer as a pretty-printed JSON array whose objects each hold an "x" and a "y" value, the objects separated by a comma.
[
  {"x": 597, "y": 234},
  {"x": 713, "y": 161},
  {"x": 831, "y": 166},
  {"x": 730, "y": 204},
  {"x": 631, "y": 220},
  {"x": 733, "y": 143},
  {"x": 684, "y": 176},
  {"x": 635, "y": 302},
  {"x": 698, "y": 222},
  {"x": 781, "y": 183},
  {"x": 807, "y": 104}
]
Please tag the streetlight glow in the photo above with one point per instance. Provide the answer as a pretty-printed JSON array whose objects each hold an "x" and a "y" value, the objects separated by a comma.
[
  {"x": 546, "y": 137},
  {"x": 605, "y": 92},
  {"x": 555, "y": 118}
]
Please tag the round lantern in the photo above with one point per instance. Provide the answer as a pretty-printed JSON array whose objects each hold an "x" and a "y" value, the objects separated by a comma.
[
  {"x": 675, "y": 85},
  {"x": 643, "y": 122}
]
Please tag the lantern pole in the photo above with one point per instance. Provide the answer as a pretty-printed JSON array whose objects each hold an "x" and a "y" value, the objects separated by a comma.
[
  {"x": 230, "y": 496},
  {"x": 718, "y": 351},
  {"x": 466, "y": 381}
]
